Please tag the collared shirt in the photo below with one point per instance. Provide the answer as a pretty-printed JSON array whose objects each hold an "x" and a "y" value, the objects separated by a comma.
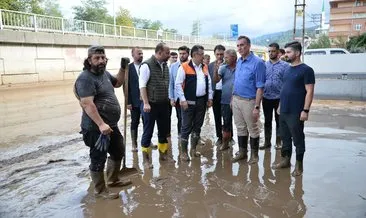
[
  {"x": 144, "y": 73},
  {"x": 172, "y": 76},
  {"x": 201, "y": 83},
  {"x": 137, "y": 66},
  {"x": 211, "y": 68},
  {"x": 250, "y": 74},
  {"x": 227, "y": 78},
  {"x": 274, "y": 79}
]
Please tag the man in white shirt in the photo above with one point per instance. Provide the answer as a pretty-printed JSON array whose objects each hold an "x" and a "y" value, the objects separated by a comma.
[
  {"x": 153, "y": 83},
  {"x": 193, "y": 88}
]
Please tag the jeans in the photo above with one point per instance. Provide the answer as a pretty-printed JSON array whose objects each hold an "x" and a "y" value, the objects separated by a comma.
[
  {"x": 270, "y": 106},
  {"x": 193, "y": 117},
  {"x": 116, "y": 148},
  {"x": 216, "y": 107},
  {"x": 227, "y": 115},
  {"x": 292, "y": 129},
  {"x": 160, "y": 114}
]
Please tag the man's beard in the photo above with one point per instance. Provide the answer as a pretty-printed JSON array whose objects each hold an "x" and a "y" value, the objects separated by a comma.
[
  {"x": 98, "y": 69},
  {"x": 183, "y": 60}
]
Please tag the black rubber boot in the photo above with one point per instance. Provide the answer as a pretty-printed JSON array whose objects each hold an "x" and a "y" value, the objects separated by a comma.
[
  {"x": 194, "y": 142},
  {"x": 113, "y": 169},
  {"x": 254, "y": 145},
  {"x": 100, "y": 189},
  {"x": 267, "y": 138},
  {"x": 184, "y": 150},
  {"x": 134, "y": 140},
  {"x": 243, "y": 149},
  {"x": 278, "y": 145}
]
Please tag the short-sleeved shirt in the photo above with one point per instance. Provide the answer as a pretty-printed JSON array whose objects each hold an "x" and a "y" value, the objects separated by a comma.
[
  {"x": 102, "y": 88},
  {"x": 250, "y": 74},
  {"x": 293, "y": 91},
  {"x": 227, "y": 78},
  {"x": 274, "y": 79}
]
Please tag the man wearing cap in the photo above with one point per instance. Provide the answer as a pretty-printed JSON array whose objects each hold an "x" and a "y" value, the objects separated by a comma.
[
  {"x": 94, "y": 89},
  {"x": 154, "y": 83}
]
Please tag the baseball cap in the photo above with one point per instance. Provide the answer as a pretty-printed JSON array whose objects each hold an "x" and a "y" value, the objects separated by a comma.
[{"x": 95, "y": 49}]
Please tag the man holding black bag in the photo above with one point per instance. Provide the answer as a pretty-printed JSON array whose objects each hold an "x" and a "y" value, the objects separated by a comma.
[{"x": 94, "y": 89}]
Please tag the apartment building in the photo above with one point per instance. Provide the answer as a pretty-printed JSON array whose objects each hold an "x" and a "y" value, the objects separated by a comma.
[{"x": 347, "y": 18}]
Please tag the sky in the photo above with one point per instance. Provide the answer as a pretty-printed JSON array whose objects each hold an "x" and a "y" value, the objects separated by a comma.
[{"x": 254, "y": 17}]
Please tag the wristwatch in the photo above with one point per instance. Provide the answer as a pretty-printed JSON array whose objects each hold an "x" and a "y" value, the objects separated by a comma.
[
  {"x": 306, "y": 110},
  {"x": 257, "y": 107}
]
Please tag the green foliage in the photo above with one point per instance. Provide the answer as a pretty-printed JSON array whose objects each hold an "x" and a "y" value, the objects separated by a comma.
[
  {"x": 322, "y": 42},
  {"x": 357, "y": 44},
  {"x": 46, "y": 7},
  {"x": 93, "y": 10},
  {"x": 124, "y": 18}
]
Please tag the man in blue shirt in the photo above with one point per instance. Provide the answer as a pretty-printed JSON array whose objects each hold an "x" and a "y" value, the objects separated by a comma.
[
  {"x": 226, "y": 75},
  {"x": 275, "y": 69},
  {"x": 296, "y": 98},
  {"x": 183, "y": 52},
  {"x": 250, "y": 77}
]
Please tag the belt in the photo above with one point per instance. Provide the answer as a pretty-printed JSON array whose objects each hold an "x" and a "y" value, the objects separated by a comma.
[{"x": 241, "y": 98}]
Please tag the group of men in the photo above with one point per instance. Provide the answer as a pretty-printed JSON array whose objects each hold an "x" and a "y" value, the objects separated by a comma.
[{"x": 234, "y": 87}]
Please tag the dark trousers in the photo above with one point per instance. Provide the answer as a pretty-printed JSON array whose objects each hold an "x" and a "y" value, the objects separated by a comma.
[
  {"x": 193, "y": 117},
  {"x": 269, "y": 107},
  {"x": 159, "y": 113},
  {"x": 135, "y": 119},
  {"x": 227, "y": 115},
  {"x": 216, "y": 107},
  {"x": 292, "y": 129},
  {"x": 98, "y": 158},
  {"x": 179, "y": 117}
]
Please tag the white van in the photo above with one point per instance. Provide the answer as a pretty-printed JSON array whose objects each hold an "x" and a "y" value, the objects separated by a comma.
[{"x": 325, "y": 51}]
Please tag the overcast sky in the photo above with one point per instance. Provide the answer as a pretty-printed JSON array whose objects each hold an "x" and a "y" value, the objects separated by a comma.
[{"x": 254, "y": 17}]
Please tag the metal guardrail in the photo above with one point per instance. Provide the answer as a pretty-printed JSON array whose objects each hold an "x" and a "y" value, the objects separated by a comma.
[{"x": 40, "y": 23}]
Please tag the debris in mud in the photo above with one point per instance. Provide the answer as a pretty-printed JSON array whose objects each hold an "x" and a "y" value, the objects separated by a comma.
[{"x": 55, "y": 161}]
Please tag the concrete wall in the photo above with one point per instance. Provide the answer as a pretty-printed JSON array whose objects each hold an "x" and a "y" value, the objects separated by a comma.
[{"x": 27, "y": 57}]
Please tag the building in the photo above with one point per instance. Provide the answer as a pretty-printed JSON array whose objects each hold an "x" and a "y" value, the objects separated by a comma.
[{"x": 347, "y": 18}]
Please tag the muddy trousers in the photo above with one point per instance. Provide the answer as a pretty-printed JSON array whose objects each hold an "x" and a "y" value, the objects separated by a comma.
[
  {"x": 179, "y": 117},
  {"x": 98, "y": 158},
  {"x": 160, "y": 114},
  {"x": 216, "y": 107},
  {"x": 193, "y": 117},
  {"x": 292, "y": 129},
  {"x": 269, "y": 107},
  {"x": 227, "y": 115}
]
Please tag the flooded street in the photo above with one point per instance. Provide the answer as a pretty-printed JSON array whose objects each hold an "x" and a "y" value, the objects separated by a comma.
[{"x": 44, "y": 167}]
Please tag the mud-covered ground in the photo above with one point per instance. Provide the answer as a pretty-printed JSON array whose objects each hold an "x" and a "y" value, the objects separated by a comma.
[{"x": 44, "y": 167}]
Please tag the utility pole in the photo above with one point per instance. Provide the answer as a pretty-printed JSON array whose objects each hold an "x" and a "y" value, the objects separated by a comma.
[{"x": 300, "y": 9}]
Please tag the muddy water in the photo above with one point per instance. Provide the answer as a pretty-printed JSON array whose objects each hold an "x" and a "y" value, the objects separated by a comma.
[{"x": 44, "y": 167}]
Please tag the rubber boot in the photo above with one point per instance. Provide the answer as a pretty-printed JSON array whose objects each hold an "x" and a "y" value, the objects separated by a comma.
[
  {"x": 298, "y": 168},
  {"x": 254, "y": 145},
  {"x": 267, "y": 138},
  {"x": 194, "y": 141},
  {"x": 113, "y": 169},
  {"x": 218, "y": 142},
  {"x": 226, "y": 136},
  {"x": 100, "y": 189},
  {"x": 184, "y": 150},
  {"x": 243, "y": 149},
  {"x": 134, "y": 140},
  {"x": 146, "y": 157},
  {"x": 278, "y": 143},
  {"x": 285, "y": 163}
]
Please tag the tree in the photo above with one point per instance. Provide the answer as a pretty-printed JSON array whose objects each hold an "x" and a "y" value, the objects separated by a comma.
[
  {"x": 357, "y": 44},
  {"x": 322, "y": 42},
  {"x": 340, "y": 42},
  {"x": 93, "y": 10},
  {"x": 124, "y": 18},
  {"x": 52, "y": 8},
  {"x": 196, "y": 28}
]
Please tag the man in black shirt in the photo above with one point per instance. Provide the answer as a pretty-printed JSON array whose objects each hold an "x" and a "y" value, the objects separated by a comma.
[
  {"x": 296, "y": 98},
  {"x": 94, "y": 89}
]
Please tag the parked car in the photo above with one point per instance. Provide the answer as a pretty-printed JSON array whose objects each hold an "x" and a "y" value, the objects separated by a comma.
[{"x": 326, "y": 51}]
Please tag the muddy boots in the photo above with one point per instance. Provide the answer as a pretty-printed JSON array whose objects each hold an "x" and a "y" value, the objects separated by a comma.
[
  {"x": 165, "y": 153},
  {"x": 299, "y": 165},
  {"x": 226, "y": 136},
  {"x": 184, "y": 150},
  {"x": 146, "y": 157},
  {"x": 194, "y": 142},
  {"x": 267, "y": 138},
  {"x": 278, "y": 145},
  {"x": 134, "y": 140},
  {"x": 243, "y": 149},
  {"x": 285, "y": 161},
  {"x": 100, "y": 189},
  {"x": 254, "y": 145},
  {"x": 113, "y": 169}
]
